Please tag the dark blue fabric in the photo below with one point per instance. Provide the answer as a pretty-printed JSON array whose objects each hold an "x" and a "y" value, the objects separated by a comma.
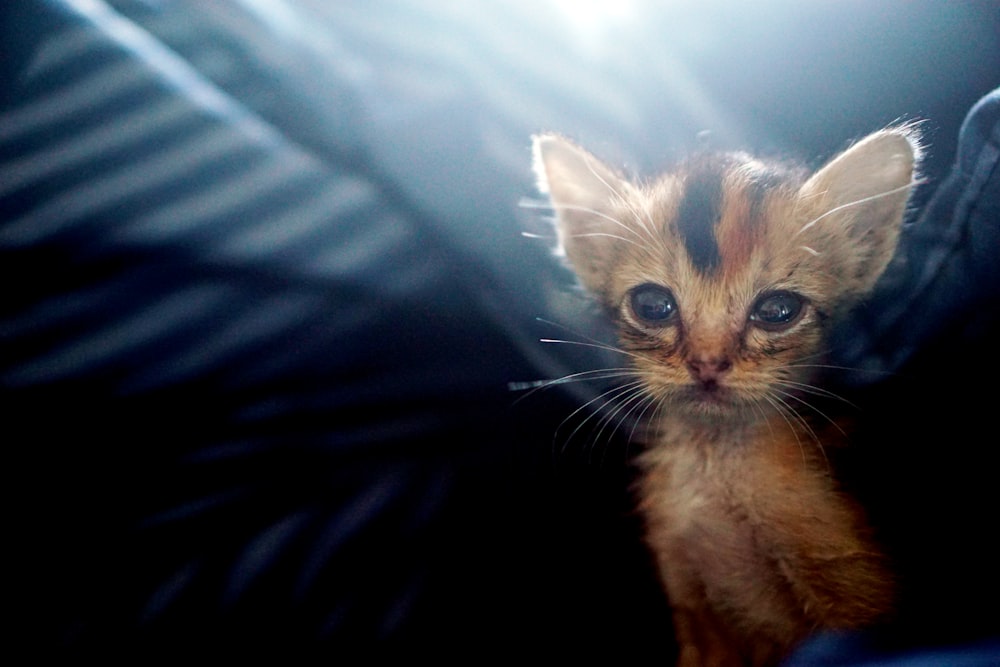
[
  {"x": 923, "y": 350},
  {"x": 945, "y": 276},
  {"x": 256, "y": 388},
  {"x": 833, "y": 650},
  {"x": 266, "y": 295}
]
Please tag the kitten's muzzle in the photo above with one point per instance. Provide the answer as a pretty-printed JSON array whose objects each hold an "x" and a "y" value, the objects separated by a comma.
[{"x": 708, "y": 370}]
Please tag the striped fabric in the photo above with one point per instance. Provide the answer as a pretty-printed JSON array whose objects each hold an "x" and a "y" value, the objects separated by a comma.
[{"x": 245, "y": 364}]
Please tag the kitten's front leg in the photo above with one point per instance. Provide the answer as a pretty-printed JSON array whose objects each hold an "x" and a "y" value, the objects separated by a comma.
[
  {"x": 702, "y": 640},
  {"x": 702, "y": 637}
]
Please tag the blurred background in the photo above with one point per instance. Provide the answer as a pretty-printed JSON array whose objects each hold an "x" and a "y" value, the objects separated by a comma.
[{"x": 269, "y": 313}]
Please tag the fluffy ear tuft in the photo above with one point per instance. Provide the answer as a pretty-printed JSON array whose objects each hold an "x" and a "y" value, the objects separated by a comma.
[
  {"x": 858, "y": 202},
  {"x": 584, "y": 193}
]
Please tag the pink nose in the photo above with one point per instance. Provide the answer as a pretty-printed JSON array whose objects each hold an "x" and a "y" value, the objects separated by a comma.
[{"x": 708, "y": 369}]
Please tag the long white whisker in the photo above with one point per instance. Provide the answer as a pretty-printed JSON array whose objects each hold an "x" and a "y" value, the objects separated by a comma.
[
  {"x": 641, "y": 418},
  {"x": 605, "y": 235},
  {"x": 627, "y": 403},
  {"x": 600, "y": 214},
  {"x": 588, "y": 340},
  {"x": 582, "y": 376},
  {"x": 863, "y": 200},
  {"x": 813, "y": 408},
  {"x": 814, "y": 390},
  {"x": 645, "y": 222},
  {"x": 784, "y": 411},
  {"x": 787, "y": 411},
  {"x": 599, "y": 346},
  {"x": 608, "y": 396},
  {"x": 569, "y": 330},
  {"x": 611, "y": 188}
]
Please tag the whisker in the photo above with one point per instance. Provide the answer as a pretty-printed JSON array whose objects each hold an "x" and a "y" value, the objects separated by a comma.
[
  {"x": 530, "y": 387},
  {"x": 607, "y": 397},
  {"x": 606, "y": 235},
  {"x": 641, "y": 418},
  {"x": 599, "y": 346},
  {"x": 787, "y": 410},
  {"x": 599, "y": 214},
  {"x": 587, "y": 342},
  {"x": 628, "y": 403},
  {"x": 590, "y": 166},
  {"x": 568, "y": 330},
  {"x": 841, "y": 207},
  {"x": 814, "y": 390},
  {"x": 647, "y": 226},
  {"x": 784, "y": 410},
  {"x": 527, "y": 202},
  {"x": 645, "y": 222},
  {"x": 579, "y": 376},
  {"x": 812, "y": 407},
  {"x": 835, "y": 367}
]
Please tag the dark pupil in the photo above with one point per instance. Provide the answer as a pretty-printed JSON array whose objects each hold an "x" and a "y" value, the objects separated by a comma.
[
  {"x": 653, "y": 304},
  {"x": 778, "y": 309}
]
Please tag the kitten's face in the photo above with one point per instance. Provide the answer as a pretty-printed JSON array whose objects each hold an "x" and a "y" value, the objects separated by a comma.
[
  {"x": 718, "y": 303},
  {"x": 722, "y": 276}
]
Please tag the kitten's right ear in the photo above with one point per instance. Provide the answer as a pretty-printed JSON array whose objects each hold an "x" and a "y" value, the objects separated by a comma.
[{"x": 583, "y": 191}]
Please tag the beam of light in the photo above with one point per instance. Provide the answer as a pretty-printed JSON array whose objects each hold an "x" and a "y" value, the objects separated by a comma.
[{"x": 594, "y": 21}]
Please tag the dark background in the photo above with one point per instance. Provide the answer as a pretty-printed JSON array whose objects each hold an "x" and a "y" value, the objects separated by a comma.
[{"x": 265, "y": 291}]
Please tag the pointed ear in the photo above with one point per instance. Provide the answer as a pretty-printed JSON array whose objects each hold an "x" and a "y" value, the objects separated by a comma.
[
  {"x": 857, "y": 203},
  {"x": 584, "y": 193}
]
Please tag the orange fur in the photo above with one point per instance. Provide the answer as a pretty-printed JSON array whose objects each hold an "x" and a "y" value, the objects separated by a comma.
[
  {"x": 753, "y": 538},
  {"x": 723, "y": 314}
]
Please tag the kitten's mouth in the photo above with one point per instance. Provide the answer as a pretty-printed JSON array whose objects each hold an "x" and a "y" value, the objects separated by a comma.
[
  {"x": 709, "y": 390},
  {"x": 710, "y": 395}
]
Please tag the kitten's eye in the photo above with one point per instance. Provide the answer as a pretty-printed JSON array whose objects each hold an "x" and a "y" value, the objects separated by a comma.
[
  {"x": 653, "y": 304},
  {"x": 777, "y": 310}
]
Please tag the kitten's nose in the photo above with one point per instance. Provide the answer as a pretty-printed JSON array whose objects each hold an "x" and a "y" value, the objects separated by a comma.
[{"x": 708, "y": 369}]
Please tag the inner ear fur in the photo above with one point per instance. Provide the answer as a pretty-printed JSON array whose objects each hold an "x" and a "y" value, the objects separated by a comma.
[
  {"x": 857, "y": 203},
  {"x": 584, "y": 193}
]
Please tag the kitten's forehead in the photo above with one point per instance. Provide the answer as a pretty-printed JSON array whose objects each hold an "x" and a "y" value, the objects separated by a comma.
[{"x": 720, "y": 213}]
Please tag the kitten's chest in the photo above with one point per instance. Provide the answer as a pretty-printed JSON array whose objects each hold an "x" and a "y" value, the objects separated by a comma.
[
  {"x": 717, "y": 484},
  {"x": 750, "y": 528}
]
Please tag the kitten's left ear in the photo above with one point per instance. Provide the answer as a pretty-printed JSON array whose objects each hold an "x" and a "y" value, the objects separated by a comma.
[
  {"x": 582, "y": 189},
  {"x": 857, "y": 204}
]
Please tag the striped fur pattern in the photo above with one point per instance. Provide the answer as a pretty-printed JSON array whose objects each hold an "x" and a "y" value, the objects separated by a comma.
[{"x": 723, "y": 277}]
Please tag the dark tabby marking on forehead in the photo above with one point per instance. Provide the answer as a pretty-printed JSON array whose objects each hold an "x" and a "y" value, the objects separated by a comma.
[
  {"x": 699, "y": 211},
  {"x": 711, "y": 187}
]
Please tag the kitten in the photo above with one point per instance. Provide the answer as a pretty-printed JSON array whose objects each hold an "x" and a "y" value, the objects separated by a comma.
[{"x": 723, "y": 278}]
